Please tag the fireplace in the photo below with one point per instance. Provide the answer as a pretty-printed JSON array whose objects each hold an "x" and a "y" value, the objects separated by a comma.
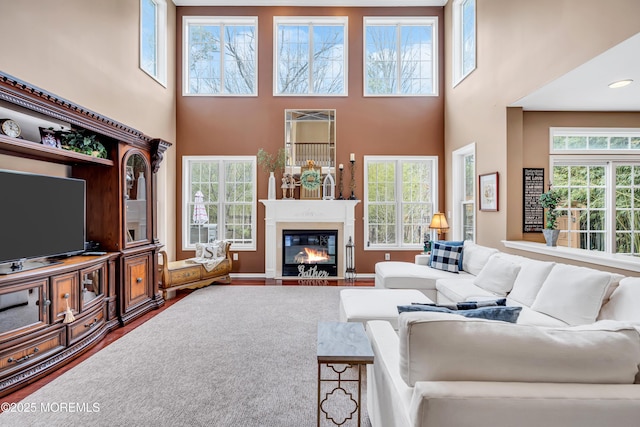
[{"x": 310, "y": 253}]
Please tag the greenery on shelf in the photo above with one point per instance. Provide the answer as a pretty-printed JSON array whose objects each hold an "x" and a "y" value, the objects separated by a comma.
[
  {"x": 549, "y": 201},
  {"x": 271, "y": 163},
  {"x": 80, "y": 141}
]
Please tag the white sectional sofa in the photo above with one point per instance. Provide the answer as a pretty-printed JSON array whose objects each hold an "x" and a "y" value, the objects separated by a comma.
[{"x": 572, "y": 358}]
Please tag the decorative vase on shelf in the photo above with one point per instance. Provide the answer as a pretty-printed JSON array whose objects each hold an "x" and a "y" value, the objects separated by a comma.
[
  {"x": 142, "y": 187},
  {"x": 272, "y": 187},
  {"x": 551, "y": 236}
]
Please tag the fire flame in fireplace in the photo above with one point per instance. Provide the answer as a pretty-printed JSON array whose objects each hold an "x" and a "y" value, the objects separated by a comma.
[{"x": 311, "y": 255}]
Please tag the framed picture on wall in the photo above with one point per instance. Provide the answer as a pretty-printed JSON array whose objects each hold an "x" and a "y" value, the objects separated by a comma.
[{"x": 488, "y": 191}]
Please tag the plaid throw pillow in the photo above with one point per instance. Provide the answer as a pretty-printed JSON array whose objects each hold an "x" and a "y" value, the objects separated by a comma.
[{"x": 445, "y": 257}]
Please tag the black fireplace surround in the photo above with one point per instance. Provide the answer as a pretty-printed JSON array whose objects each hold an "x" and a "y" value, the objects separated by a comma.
[{"x": 310, "y": 253}]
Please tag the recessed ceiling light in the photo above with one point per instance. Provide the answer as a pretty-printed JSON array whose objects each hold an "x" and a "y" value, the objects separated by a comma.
[{"x": 620, "y": 83}]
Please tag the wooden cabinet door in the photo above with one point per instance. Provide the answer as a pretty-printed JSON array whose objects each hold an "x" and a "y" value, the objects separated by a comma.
[
  {"x": 65, "y": 290},
  {"x": 137, "y": 281}
]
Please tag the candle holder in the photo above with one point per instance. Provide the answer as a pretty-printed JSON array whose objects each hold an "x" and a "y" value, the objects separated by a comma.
[
  {"x": 352, "y": 185},
  {"x": 340, "y": 179}
]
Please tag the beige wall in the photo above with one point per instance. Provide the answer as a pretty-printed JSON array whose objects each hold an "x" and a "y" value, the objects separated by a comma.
[
  {"x": 87, "y": 52},
  {"x": 521, "y": 46}
]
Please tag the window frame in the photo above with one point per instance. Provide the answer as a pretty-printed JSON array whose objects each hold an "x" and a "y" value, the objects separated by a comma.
[
  {"x": 311, "y": 21},
  {"x": 216, "y": 20},
  {"x": 458, "y": 52},
  {"x": 398, "y": 160},
  {"x": 458, "y": 168},
  {"x": 186, "y": 191},
  {"x": 160, "y": 24},
  {"x": 399, "y": 21},
  {"x": 609, "y": 159}
]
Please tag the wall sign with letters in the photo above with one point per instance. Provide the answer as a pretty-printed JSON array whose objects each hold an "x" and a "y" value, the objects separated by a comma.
[{"x": 532, "y": 211}]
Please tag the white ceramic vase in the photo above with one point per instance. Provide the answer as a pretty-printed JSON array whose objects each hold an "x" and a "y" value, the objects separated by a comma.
[{"x": 272, "y": 187}]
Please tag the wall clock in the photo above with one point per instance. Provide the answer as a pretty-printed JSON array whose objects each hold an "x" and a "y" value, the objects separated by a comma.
[{"x": 10, "y": 128}]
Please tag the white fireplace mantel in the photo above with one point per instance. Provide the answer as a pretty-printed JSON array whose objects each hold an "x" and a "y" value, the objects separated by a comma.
[{"x": 305, "y": 214}]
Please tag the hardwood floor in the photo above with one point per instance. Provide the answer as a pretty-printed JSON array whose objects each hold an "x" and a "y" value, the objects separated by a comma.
[{"x": 122, "y": 331}]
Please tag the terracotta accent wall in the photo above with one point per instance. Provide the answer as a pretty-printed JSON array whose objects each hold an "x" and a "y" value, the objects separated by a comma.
[
  {"x": 87, "y": 52},
  {"x": 364, "y": 126},
  {"x": 521, "y": 46}
]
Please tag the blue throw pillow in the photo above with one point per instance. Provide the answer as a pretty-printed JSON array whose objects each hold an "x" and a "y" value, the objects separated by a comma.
[
  {"x": 445, "y": 257},
  {"x": 505, "y": 314},
  {"x": 449, "y": 243},
  {"x": 468, "y": 305}
]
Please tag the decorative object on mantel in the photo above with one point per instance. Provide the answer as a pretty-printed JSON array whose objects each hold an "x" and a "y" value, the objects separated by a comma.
[
  {"x": 10, "y": 128},
  {"x": 439, "y": 224},
  {"x": 350, "y": 271},
  {"x": 310, "y": 180},
  {"x": 549, "y": 201},
  {"x": 288, "y": 186},
  {"x": 271, "y": 164},
  {"x": 340, "y": 180},
  {"x": 79, "y": 141},
  {"x": 352, "y": 160},
  {"x": 328, "y": 187}
]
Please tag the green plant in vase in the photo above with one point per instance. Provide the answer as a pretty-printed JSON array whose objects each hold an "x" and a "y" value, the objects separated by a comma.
[
  {"x": 549, "y": 201},
  {"x": 81, "y": 142}
]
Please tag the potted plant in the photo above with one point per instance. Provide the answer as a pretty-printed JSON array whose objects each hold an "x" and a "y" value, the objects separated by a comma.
[
  {"x": 80, "y": 142},
  {"x": 549, "y": 201},
  {"x": 271, "y": 164}
]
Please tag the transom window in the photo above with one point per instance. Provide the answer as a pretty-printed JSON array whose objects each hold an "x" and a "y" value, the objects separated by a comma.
[
  {"x": 220, "y": 56},
  {"x": 153, "y": 39},
  {"x": 600, "y": 195},
  {"x": 400, "y": 56},
  {"x": 464, "y": 39},
  {"x": 400, "y": 195},
  {"x": 219, "y": 200},
  {"x": 310, "y": 55}
]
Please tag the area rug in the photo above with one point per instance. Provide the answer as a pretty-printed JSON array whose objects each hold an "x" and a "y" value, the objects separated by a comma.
[{"x": 223, "y": 356}]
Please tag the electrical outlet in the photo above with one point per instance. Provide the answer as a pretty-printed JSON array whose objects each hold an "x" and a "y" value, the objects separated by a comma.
[
  {"x": 235, "y": 256},
  {"x": 387, "y": 257}
]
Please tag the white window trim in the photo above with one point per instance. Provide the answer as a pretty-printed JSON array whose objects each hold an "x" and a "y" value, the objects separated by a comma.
[
  {"x": 402, "y": 20},
  {"x": 161, "y": 42},
  {"x": 434, "y": 179},
  {"x": 457, "y": 168},
  {"x": 458, "y": 51},
  {"x": 311, "y": 20},
  {"x": 214, "y": 20},
  {"x": 186, "y": 179}
]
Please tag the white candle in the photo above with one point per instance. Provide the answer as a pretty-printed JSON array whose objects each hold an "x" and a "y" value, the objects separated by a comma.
[
  {"x": 340, "y": 166},
  {"x": 352, "y": 157}
]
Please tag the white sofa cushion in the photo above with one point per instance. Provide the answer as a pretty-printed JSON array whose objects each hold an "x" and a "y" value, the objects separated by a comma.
[
  {"x": 446, "y": 347},
  {"x": 535, "y": 318},
  {"x": 457, "y": 290},
  {"x": 532, "y": 275},
  {"x": 475, "y": 257},
  {"x": 572, "y": 294},
  {"x": 497, "y": 275},
  {"x": 624, "y": 303}
]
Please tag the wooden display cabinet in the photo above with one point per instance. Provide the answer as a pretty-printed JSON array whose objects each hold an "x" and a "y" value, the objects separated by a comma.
[{"x": 103, "y": 291}]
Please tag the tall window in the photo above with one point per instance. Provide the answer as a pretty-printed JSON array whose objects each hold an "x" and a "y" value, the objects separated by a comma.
[
  {"x": 310, "y": 56},
  {"x": 400, "y": 197},
  {"x": 220, "y": 56},
  {"x": 153, "y": 39},
  {"x": 219, "y": 200},
  {"x": 400, "y": 56},
  {"x": 464, "y": 39},
  {"x": 464, "y": 193},
  {"x": 599, "y": 187}
]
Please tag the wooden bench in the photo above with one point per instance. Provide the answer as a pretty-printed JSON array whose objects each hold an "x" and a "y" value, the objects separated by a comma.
[{"x": 184, "y": 274}]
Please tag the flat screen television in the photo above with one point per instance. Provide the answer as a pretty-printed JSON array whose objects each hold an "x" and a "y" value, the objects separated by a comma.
[{"x": 40, "y": 217}]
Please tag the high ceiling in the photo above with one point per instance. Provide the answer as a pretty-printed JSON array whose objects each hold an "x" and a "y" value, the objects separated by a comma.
[
  {"x": 343, "y": 3},
  {"x": 582, "y": 89}
]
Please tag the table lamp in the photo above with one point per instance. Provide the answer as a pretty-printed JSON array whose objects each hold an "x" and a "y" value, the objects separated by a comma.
[{"x": 439, "y": 224}]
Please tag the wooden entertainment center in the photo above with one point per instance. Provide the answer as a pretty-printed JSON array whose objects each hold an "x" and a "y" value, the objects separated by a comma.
[{"x": 102, "y": 291}]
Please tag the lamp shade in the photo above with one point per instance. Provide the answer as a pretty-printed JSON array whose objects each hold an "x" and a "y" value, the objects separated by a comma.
[{"x": 439, "y": 222}]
